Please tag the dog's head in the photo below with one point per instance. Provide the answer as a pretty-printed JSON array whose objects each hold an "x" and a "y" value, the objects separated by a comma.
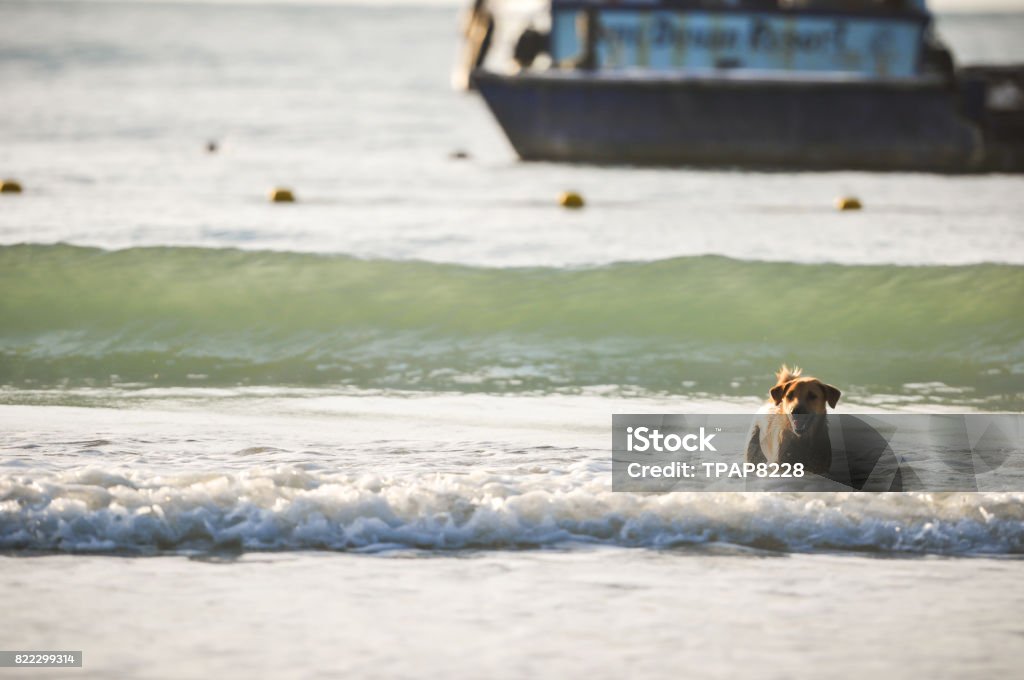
[{"x": 803, "y": 396}]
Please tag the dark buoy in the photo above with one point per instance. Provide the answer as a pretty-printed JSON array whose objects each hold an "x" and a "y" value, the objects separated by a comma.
[
  {"x": 211, "y": 146},
  {"x": 10, "y": 186},
  {"x": 459, "y": 155},
  {"x": 281, "y": 195}
]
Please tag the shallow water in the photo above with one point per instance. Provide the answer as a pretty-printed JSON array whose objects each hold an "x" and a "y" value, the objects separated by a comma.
[{"x": 581, "y": 613}]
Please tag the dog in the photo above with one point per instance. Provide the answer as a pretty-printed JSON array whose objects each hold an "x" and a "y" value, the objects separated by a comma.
[{"x": 792, "y": 427}]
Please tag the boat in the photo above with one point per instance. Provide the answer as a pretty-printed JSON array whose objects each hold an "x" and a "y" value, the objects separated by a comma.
[{"x": 788, "y": 84}]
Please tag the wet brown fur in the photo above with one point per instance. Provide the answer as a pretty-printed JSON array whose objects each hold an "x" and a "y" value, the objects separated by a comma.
[{"x": 775, "y": 436}]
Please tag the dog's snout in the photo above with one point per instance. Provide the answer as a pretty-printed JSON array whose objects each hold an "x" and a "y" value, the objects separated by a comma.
[{"x": 800, "y": 410}]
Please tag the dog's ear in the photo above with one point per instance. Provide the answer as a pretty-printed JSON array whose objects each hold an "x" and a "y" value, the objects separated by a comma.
[
  {"x": 832, "y": 394},
  {"x": 778, "y": 392}
]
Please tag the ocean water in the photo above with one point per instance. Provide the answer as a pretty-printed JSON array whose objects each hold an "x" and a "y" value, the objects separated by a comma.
[{"x": 368, "y": 434}]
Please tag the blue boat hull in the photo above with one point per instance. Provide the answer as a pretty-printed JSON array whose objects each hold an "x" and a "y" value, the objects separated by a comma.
[{"x": 733, "y": 122}]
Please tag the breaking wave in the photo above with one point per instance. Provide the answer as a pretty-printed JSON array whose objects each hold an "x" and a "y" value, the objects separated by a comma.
[
  {"x": 176, "y": 316},
  {"x": 288, "y": 508}
]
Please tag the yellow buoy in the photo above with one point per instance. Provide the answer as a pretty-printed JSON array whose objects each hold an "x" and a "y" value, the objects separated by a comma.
[
  {"x": 844, "y": 203},
  {"x": 281, "y": 195},
  {"x": 9, "y": 186},
  {"x": 570, "y": 199}
]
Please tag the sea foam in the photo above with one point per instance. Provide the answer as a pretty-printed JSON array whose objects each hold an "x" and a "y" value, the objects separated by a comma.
[{"x": 288, "y": 508}]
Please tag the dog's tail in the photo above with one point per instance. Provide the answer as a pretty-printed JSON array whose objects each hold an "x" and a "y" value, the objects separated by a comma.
[{"x": 785, "y": 374}]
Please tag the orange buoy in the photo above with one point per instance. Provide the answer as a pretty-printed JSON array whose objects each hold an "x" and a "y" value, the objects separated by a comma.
[
  {"x": 844, "y": 203},
  {"x": 570, "y": 199}
]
